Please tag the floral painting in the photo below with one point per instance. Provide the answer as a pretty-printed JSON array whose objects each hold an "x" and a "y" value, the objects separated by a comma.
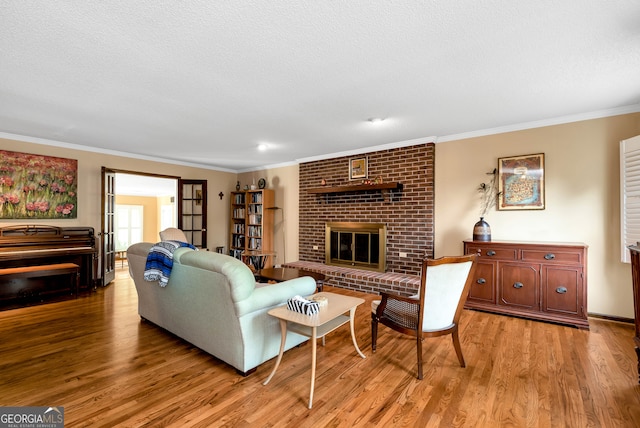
[{"x": 37, "y": 187}]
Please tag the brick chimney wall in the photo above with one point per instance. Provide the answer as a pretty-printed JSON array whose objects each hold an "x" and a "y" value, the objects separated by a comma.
[{"x": 408, "y": 214}]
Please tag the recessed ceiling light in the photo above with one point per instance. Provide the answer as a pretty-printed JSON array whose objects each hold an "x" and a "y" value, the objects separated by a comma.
[
  {"x": 376, "y": 120},
  {"x": 263, "y": 146}
]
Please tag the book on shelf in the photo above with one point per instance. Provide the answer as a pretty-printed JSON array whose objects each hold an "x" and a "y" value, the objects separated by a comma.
[
  {"x": 236, "y": 253},
  {"x": 255, "y": 218},
  {"x": 255, "y": 231},
  {"x": 255, "y": 209}
]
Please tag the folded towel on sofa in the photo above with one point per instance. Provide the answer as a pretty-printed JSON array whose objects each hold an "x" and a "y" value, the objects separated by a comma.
[{"x": 160, "y": 261}]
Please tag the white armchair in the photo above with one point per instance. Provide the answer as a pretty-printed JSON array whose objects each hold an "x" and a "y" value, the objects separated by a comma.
[
  {"x": 173, "y": 234},
  {"x": 435, "y": 311}
]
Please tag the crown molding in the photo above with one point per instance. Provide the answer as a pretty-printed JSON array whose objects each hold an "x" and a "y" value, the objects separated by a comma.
[
  {"x": 635, "y": 108},
  {"x": 47, "y": 142},
  {"x": 369, "y": 149}
]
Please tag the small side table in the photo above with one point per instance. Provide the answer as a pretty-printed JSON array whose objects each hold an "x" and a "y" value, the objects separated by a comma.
[{"x": 316, "y": 326}]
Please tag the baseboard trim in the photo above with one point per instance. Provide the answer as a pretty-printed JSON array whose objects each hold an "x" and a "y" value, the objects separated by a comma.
[{"x": 611, "y": 318}]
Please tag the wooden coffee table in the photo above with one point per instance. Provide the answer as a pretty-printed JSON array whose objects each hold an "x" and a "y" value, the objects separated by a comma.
[
  {"x": 316, "y": 326},
  {"x": 284, "y": 274}
]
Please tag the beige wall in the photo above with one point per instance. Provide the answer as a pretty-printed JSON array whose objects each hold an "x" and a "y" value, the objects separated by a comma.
[
  {"x": 90, "y": 187},
  {"x": 150, "y": 213},
  {"x": 582, "y": 197},
  {"x": 166, "y": 200},
  {"x": 284, "y": 182}
]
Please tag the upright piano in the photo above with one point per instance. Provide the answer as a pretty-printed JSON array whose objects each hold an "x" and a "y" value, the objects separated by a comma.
[{"x": 25, "y": 245}]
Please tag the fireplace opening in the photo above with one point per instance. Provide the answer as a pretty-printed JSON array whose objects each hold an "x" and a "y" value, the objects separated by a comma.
[{"x": 359, "y": 245}]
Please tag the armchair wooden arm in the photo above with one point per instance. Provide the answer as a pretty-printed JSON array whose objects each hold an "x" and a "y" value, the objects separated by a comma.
[{"x": 399, "y": 312}]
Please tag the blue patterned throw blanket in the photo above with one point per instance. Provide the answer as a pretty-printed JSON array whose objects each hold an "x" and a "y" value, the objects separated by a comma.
[{"x": 160, "y": 261}]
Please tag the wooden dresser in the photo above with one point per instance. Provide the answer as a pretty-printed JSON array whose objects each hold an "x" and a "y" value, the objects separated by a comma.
[
  {"x": 635, "y": 274},
  {"x": 538, "y": 280}
]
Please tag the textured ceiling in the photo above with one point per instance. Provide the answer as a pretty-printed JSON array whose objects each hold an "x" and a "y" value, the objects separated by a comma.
[{"x": 204, "y": 82}]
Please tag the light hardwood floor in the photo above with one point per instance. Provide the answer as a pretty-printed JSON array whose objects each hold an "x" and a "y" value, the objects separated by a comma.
[{"x": 96, "y": 358}]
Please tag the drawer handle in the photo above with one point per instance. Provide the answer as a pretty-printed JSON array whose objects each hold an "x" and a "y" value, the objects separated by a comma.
[
  {"x": 491, "y": 253},
  {"x": 481, "y": 281},
  {"x": 549, "y": 256},
  {"x": 518, "y": 285},
  {"x": 561, "y": 290}
]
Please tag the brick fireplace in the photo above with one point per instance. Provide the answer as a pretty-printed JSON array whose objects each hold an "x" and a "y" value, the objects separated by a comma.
[{"x": 408, "y": 214}]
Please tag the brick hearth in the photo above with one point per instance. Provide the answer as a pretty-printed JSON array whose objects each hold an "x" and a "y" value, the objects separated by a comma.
[{"x": 362, "y": 280}]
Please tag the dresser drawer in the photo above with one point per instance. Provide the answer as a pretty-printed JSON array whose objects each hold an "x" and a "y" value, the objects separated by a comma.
[
  {"x": 553, "y": 256},
  {"x": 490, "y": 253}
]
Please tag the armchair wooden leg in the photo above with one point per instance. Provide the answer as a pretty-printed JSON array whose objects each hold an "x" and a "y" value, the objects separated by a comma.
[
  {"x": 456, "y": 345},
  {"x": 374, "y": 332}
]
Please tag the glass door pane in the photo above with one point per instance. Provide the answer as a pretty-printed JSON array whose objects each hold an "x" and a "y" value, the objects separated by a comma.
[{"x": 193, "y": 211}]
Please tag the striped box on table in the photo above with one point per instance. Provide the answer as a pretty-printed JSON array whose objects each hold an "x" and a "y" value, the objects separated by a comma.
[{"x": 302, "y": 305}]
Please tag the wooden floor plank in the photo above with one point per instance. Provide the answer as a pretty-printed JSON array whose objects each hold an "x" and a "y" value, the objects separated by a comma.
[{"x": 94, "y": 356}]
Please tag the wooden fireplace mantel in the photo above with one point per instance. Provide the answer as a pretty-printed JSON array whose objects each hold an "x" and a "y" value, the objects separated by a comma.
[
  {"x": 385, "y": 188},
  {"x": 391, "y": 186}
]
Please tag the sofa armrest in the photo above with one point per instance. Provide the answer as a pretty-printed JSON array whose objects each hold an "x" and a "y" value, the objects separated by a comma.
[{"x": 276, "y": 294}]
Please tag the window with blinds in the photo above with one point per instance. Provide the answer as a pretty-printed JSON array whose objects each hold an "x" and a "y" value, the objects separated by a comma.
[{"x": 629, "y": 194}]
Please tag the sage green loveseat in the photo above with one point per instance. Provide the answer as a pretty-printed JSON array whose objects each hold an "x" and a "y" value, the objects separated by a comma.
[{"x": 212, "y": 301}]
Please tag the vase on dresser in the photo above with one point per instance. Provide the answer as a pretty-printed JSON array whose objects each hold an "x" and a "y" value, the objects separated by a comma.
[{"x": 482, "y": 231}]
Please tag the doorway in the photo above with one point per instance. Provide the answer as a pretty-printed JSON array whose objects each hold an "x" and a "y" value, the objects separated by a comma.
[
  {"x": 190, "y": 205},
  {"x": 145, "y": 205},
  {"x": 152, "y": 202}
]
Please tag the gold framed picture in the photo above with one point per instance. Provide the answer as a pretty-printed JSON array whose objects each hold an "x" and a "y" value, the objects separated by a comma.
[
  {"x": 358, "y": 168},
  {"x": 521, "y": 182}
]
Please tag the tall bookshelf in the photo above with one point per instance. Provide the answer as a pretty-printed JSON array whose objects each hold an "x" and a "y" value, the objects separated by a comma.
[{"x": 251, "y": 226}]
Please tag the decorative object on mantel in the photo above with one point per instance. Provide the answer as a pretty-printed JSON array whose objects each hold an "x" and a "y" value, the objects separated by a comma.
[
  {"x": 521, "y": 182},
  {"x": 238, "y": 186},
  {"x": 368, "y": 182},
  {"x": 482, "y": 230},
  {"x": 262, "y": 183}
]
